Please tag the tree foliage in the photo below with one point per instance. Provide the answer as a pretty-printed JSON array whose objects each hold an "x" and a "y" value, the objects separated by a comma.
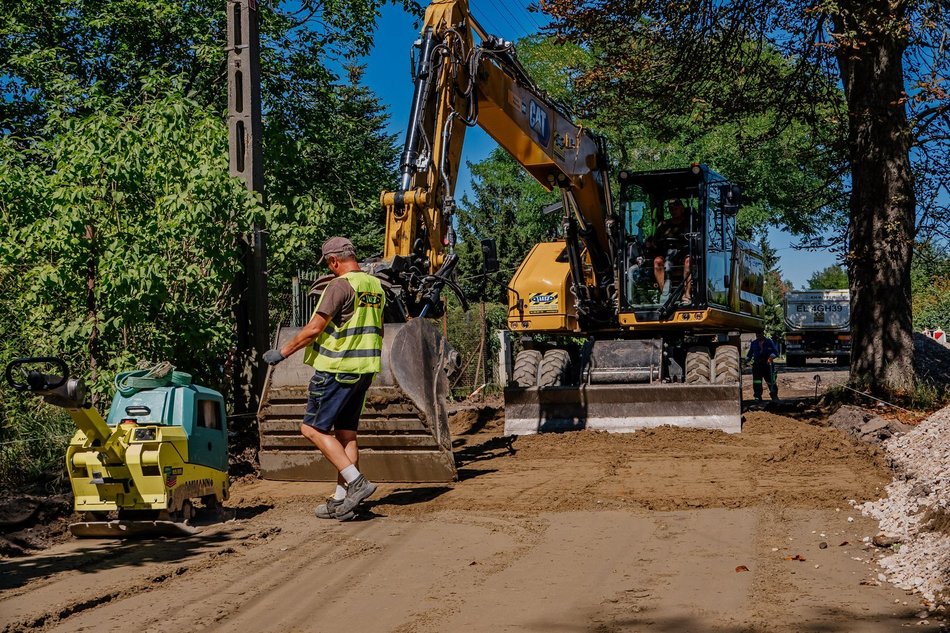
[
  {"x": 324, "y": 138},
  {"x": 120, "y": 221},
  {"x": 55, "y": 53},
  {"x": 119, "y": 232},
  {"x": 930, "y": 279},
  {"x": 831, "y": 278},
  {"x": 774, "y": 291},
  {"x": 507, "y": 207}
]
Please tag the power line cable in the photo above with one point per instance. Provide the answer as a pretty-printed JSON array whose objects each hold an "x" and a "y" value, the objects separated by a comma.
[
  {"x": 521, "y": 26},
  {"x": 505, "y": 33},
  {"x": 483, "y": 18},
  {"x": 531, "y": 15}
]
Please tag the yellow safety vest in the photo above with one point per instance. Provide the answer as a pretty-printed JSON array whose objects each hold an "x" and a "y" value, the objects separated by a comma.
[{"x": 354, "y": 347}]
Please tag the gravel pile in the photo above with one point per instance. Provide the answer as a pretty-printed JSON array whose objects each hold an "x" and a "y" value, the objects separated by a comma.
[
  {"x": 866, "y": 426},
  {"x": 917, "y": 508}
]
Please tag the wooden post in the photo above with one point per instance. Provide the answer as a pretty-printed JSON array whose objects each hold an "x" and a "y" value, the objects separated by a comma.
[{"x": 482, "y": 348}]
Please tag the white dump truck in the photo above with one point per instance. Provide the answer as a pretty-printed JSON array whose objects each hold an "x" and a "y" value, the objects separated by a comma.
[{"x": 818, "y": 325}]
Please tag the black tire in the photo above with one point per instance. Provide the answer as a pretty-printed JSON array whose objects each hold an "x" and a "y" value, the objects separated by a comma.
[
  {"x": 698, "y": 366},
  {"x": 843, "y": 361},
  {"x": 794, "y": 360},
  {"x": 187, "y": 512},
  {"x": 525, "y": 373},
  {"x": 553, "y": 369},
  {"x": 211, "y": 510},
  {"x": 726, "y": 365}
]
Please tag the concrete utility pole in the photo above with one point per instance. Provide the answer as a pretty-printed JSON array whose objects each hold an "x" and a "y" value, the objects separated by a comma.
[{"x": 245, "y": 131}]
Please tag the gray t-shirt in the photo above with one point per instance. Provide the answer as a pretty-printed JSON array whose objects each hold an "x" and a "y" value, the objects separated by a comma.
[{"x": 336, "y": 304}]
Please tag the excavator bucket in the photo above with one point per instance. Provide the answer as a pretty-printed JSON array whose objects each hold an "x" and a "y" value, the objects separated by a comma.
[
  {"x": 620, "y": 408},
  {"x": 404, "y": 432}
]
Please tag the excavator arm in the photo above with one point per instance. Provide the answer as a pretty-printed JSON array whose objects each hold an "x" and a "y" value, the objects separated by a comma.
[{"x": 465, "y": 77}]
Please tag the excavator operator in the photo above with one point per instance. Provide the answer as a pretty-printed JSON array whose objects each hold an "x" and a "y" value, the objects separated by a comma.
[{"x": 669, "y": 242}]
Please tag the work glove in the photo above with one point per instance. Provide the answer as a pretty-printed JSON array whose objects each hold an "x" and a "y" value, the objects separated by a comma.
[{"x": 273, "y": 356}]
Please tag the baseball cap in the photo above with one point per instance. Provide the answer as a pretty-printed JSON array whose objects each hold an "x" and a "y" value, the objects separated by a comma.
[{"x": 336, "y": 246}]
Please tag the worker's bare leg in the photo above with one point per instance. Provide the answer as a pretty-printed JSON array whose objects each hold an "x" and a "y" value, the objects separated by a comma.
[
  {"x": 347, "y": 439},
  {"x": 658, "y": 270},
  {"x": 687, "y": 281},
  {"x": 329, "y": 445}
]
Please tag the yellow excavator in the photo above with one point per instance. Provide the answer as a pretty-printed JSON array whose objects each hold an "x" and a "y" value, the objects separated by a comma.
[{"x": 639, "y": 305}]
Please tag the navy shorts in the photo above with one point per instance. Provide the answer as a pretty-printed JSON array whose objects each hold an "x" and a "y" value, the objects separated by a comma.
[{"x": 336, "y": 401}]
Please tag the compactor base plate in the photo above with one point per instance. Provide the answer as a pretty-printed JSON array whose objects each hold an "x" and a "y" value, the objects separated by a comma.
[{"x": 130, "y": 529}]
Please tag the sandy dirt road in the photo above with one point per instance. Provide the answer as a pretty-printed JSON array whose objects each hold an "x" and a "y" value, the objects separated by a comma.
[{"x": 651, "y": 531}]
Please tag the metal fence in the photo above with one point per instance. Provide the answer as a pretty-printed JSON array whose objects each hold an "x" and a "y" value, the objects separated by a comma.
[{"x": 302, "y": 303}]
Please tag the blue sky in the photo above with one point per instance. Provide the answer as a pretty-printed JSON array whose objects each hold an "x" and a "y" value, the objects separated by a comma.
[{"x": 387, "y": 73}]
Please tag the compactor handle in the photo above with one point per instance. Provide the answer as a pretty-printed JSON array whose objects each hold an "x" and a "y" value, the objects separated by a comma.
[
  {"x": 55, "y": 386},
  {"x": 36, "y": 380}
]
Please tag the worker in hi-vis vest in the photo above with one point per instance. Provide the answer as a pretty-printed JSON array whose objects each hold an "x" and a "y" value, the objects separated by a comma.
[{"x": 343, "y": 341}]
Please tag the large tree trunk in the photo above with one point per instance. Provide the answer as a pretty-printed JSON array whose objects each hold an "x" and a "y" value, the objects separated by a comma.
[{"x": 882, "y": 200}]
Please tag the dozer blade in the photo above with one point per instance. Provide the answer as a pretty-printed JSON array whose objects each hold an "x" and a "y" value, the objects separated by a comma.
[
  {"x": 622, "y": 408},
  {"x": 130, "y": 529},
  {"x": 404, "y": 432}
]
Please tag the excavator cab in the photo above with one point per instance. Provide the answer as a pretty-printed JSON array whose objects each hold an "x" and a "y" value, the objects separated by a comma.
[
  {"x": 658, "y": 246},
  {"x": 680, "y": 248}
]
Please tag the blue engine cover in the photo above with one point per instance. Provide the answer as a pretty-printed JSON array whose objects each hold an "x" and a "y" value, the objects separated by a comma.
[{"x": 198, "y": 410}]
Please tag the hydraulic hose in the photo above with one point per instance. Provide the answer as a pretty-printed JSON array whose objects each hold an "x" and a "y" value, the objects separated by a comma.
[{"x": 128, "y": 383}]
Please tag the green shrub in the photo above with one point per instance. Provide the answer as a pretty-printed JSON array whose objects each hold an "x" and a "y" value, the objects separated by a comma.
[{"x": 33, "y": 441}]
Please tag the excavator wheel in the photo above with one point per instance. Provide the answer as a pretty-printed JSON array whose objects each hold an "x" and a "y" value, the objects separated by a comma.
[
  {"x": 525, "y": 373},
  {"x": 698, "y": 369},
  {"x": 553, "y": 369},
  {"x": 726, "y": 364}
]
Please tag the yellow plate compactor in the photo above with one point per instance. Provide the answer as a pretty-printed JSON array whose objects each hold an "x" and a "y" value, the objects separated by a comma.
[{"x": 163, "y": 445}]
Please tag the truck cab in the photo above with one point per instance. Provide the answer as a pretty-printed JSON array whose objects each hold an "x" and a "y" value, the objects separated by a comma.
[{"x": 818, "y": 325}]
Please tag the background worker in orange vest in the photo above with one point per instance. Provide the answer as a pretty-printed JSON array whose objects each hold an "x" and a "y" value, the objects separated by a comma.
[{"x": 343, "y": 342}]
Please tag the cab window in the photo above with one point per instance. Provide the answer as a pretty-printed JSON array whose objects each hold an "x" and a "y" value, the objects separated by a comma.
[{"x": 209, "y": 414}]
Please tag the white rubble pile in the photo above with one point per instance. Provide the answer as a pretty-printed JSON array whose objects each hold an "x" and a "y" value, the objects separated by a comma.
[{"x": 920, "y": 489}]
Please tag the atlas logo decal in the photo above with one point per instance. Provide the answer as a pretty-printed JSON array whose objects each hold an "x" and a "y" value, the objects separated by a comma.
[
  {"x": 538, "y": 121},
  {"x": 542, "y": 303},
  {"x": 370, "y": 299},
  {"x": 542, "y": 298}
]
